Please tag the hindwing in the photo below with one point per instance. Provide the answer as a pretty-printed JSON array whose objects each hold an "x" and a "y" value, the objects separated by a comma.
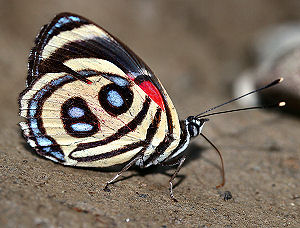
[{"x": 123, "y": 112}]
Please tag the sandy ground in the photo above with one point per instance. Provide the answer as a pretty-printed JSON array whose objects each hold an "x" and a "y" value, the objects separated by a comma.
[{"x": 197, "y": 49}]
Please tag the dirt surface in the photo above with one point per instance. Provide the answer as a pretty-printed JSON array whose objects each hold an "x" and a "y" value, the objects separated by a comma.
[{"x": 197, "y": 49}]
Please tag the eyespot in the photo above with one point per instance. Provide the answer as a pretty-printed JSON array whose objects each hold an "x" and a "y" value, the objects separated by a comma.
[
  {"x": 81, "y": 127},
  {"x": 115, "y": 99},
  {"x": 78, "y": 119},
  {"x": 75, "y": 112}
]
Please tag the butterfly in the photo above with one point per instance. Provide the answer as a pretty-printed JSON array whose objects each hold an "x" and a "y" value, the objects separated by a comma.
[{"x": 92, "y": 102}]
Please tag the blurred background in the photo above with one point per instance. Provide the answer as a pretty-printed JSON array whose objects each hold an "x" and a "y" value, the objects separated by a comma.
[{"x": 198, "y": 49}]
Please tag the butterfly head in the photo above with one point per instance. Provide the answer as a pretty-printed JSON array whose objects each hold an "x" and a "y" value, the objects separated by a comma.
[{"x": 194, "y": 125}]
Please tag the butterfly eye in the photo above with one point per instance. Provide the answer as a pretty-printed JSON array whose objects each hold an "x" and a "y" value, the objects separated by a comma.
[
  {"x": 193, "y": 129},
  {"x": 194, "y": 125},
  {"x": 78, "y": 119},
  {"x": 115, "y": 99}
]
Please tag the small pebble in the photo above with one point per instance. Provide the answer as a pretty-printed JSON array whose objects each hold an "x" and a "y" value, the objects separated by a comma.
[
  {"x": 142, "y": 195},
  {"x": 227, "y": 195}
]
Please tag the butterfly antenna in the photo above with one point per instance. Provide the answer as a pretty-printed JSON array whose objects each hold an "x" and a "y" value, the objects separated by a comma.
[
  {"x": 221, "y": 158},
  {"x": 280, "y": 104},
  {"x": 237, "y": 98}
]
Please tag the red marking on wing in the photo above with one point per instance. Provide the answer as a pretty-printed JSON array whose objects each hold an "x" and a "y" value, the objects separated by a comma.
[
  {"x": 153, "y": 93},
  {"x": 131, "y": 77}
]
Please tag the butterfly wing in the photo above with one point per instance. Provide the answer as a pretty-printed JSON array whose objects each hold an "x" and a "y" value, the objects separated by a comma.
[{"x": 123, "y": 112}]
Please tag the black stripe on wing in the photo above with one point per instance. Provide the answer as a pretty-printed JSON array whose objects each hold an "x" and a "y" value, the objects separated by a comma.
[
  {"x": 123, "y": 131},
  {"x": 183, "y": 141},
  {"x": 160, "y": 149},
  {"x": 108, "y": 154},
  {"x": 106, "y": 47},
  {"x": 131, "y": 126},
  {"x": 62, "y": 22},
  {"x": 92, "y": 48}
]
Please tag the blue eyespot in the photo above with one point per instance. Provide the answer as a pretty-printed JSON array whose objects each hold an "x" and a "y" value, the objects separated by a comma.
[
  {"x": 78, "y": 120},
  {"x": 114, "y": 98},
  {"x": 81, "y": 127},
  {"x": 76, "y": 112}
]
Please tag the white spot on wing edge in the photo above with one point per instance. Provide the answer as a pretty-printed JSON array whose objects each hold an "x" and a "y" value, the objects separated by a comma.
[
  {"x": 52, "y": 158},
  {"x": 23, "y": 125},
  {"x": 31, "y": 143}
]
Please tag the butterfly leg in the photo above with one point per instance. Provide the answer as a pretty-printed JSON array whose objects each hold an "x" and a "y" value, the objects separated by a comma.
[
  {"x": 125, "y": 168},
  {"x": 173, "y": 177}
]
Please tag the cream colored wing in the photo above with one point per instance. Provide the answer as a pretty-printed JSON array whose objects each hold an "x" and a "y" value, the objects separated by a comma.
[{"x": 91, "y": 102}]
